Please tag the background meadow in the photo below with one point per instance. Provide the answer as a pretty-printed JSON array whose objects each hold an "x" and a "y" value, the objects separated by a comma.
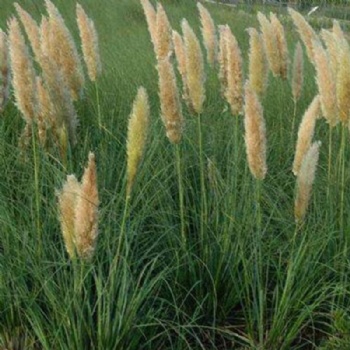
[{"x": 248, "y": 278}]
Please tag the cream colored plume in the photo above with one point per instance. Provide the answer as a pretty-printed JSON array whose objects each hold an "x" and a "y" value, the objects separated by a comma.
[
  {"x": 343, "y": 82},
  {"x": 337, "y": 31},
  {"x": 179, "y": 48},
  {"x": 194, "y": 68},
  {"x": 281, "y": 45},
  {"x": 151, "y": 19},
  {"x": 86, "y": 212},
  {"x": 32, "y": 30},
  {"x": 208, "y": 33},
  {"x": 305, "y": 180},
  {"x": 170, "y": 102},
  {"x": 222, "y": 58},
  {"x": 5, "y": 76},
  {"x": 270, "y": 43},
  {"x": 67, "y": 200},
  {"x": 64, "y": 52},
  {"x": 326, "y": 84},
  {"x": 164, "y": 41},
  {"x": 23, "y": 73},
  {"x": 89, "y": 43},
  {"x": 258, "y": 67},
  {"x": 137, "y": 136},
  {"x": 255, "y": 133},
  {"x": 298, "y": 73},
  {"x": 332, "y": 45},
  {"x": 307, "y": 34},
  {"x": 234, "y": 91},
  {"x": 305, "y": 133}
]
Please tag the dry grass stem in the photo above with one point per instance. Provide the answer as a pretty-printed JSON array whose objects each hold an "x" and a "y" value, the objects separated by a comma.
[
  {"x": 137, "y": 136},
  {"x": 255, "y": 133},
  {"x": 305, "y": 180},
  {"x": 326, "y": 84},
  {"x": 194, "y": 68},
  {"x": 258, "y": 67},
  {"x": 298, "y": 73},
  {"x": 170, "y": 101},
  {"x": 234, "y": 91},
  {"x": 89, "y": 43},
  {"x": 305, "y": 133},
  {"x": 208, "y": 33}
]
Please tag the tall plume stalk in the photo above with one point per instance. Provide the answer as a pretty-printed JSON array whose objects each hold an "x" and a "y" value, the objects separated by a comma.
[
  {"x": 5, "y": 76},
  {"x": 222, "y": 58},
  {"x": 89, "y": 42},
  {"x": 23, "y": 74},
  {"x": 306, "y": 132},
  {"x": 281, "y": 45},
  {"x": 234, "y": 91},
  {"x": 78, "y": 212},
  {"x": 151, "y": 19},
  {"x": 170, "y": 101},
  {"x": 208, "y": 33},
  {"x": 164, "y": 41},
  {"x": 32, "y": 30},
  {"x": 194, "y": 68},
  {"x": 179, "y": 48},
  {"x": 307, "y": 34},
  {"x": 137, "y": 136},
  {"x": 258, "y": 67},
  {"x": 326, "y": 84},
  {"x": 64, "y": 52},
  {"x": 305, "y": 180},
  {"x": 271, "y": 44},
  {"x": 255, "y": 133}
]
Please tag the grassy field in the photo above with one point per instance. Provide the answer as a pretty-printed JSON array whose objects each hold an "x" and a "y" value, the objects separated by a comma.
[{"x": 247, "y": 278}]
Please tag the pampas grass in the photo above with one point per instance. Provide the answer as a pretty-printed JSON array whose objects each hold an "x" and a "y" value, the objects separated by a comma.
[
  {"x": 234, "y": 91},
  {"x": 258, "y": 67},
  {"x": 209, "y": 34},
  {"x": 89, "y": 43},
  {"x": 255, "y": 133},
  {"x": 222, "y": 59},
  {"x": 5, "y": 76},
  {"x": 332, "y": 44},
  {"x": 151, "y": 19},
  {"x": 297, "y": 73},
  {"x": 194, "y": 68},
  {"x": 137, "y": 136},
  {"x": 306, "y": 132},
  {"x": 305, "y": 180},
  {"x": 164, "y": 41}
]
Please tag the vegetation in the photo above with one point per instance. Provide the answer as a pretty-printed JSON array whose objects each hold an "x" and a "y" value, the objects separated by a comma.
[{"x": 188, "y": 229}]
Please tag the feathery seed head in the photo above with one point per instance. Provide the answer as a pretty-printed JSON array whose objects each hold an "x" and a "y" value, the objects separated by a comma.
[
  {"x": 258, "y": 67},
  {"x": 306, "y": 132},
  {"x": 337, "y": 31},
  {"x": 163, "y": 34},
  {"x": 255, "y": 133},
  {"x": 169, "y": 100},
  {"x": 89, "y": 43},
  {"x": 305, "y": 180},
  {"x": 208, "y": 33},
  {"x": 298, "y": 72},
  {"x": 222, "y": 58},
  {"x": 137, "y": 135},
  {"x": 194, "y": 68},
  {"x": 332, "y": 45},
  {"x": 151, "y": 19}
]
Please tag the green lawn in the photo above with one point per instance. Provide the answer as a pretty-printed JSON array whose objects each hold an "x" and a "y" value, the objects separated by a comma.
[{"x": 234, "y": 285}]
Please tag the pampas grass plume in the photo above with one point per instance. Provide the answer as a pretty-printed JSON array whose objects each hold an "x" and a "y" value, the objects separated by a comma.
[
  {"x": 326, "y": 84},
  {"x": 208, "y": 33},
  {"x": 86, "y": 212},
  {"x": 194, "y": 68},
  {"x": 305, "y": 133},
  {"x": 5, "y": 76},
  {"x": 222, "y": 58},
  {"x": 298, "y": 72},
  {"x": 137, "y": 135},
  {"x": 234, "y": 91},
  {"x": 23, "y": 73},
  {"x": 89, "y": 42},
  {"x": 164, "y": 46},
  {"x": 258, "y": 68},
  {"x": 255, "y": 133},
  {"x": 170, "y": 102},
  {"x": 305, "y": 180},
  {"x": 332, "y": 46},
  {"x": 151, "y": 19}
]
